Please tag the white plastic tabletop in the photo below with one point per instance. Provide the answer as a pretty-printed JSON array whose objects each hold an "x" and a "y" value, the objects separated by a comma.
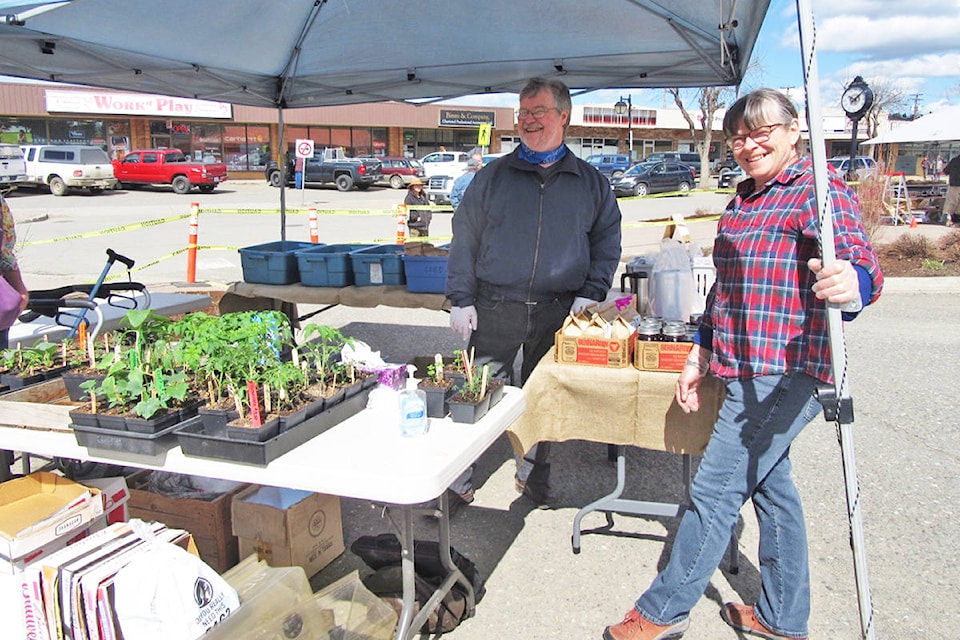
[{"x": 363, "y": 457}]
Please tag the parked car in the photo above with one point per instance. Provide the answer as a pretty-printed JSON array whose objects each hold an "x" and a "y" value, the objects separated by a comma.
[
  {"x": 13, "y": 169},
  {"x": 440, "y": 163},
  {"x": 653, "y": 177},
  {"x": 400, "y": 171},
  {"x": 675, "y": 156},
  {"x": 864, "y": 167},
  {"x": 609, "y": 164},
  {"x": 490, "y": 157},
  {"x": 730, "y": 178},
  {"x": 62, "y": 167}
]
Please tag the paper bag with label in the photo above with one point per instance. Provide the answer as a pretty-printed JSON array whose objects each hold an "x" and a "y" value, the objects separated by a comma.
[{"x": 166, "y": 593}]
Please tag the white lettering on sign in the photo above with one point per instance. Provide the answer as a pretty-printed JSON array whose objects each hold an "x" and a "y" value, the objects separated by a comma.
[{"x": 133, "y": 104}]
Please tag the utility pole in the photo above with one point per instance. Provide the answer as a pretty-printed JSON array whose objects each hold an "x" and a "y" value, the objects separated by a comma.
[{"x": 916, "y": 105}]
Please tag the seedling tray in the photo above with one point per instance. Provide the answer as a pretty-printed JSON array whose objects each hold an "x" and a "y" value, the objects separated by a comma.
[
  {"x": 141, "y": 444},
  {"x": 195, "y": 441}
]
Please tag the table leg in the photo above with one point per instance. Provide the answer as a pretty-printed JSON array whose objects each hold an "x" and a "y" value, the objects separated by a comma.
[
  {"x": 409, "y": 625},
  {"x": 612, "y": 503}
]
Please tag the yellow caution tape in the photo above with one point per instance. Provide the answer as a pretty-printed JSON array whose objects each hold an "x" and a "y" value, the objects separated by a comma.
[{"x": 103, "y": 232}]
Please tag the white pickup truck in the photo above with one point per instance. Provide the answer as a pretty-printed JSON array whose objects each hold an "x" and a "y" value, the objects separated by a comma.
[{"x": 62, "y": 167}]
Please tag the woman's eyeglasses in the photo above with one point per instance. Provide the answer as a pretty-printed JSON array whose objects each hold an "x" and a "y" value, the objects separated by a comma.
[{"x": 758, "y": 135}]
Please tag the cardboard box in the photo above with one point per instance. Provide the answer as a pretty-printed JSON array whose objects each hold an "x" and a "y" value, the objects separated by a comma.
[
  {"x": 207, "y": 520},
  {"x": 661, "y": 356},
  {"x": 600, "y": 352},
  {"x": 115, "y": 497},
  {"x": 287, "y": 527},
  {"x": 40, "y": 508}
]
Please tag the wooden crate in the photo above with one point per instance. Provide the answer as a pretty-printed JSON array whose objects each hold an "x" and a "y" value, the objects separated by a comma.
[
  {"x": 208, "y": 521},
  {"x": 39, "y": 406}
]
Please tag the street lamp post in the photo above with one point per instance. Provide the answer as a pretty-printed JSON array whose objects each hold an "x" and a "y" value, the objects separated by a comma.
[{"x": 627, "y": 107}]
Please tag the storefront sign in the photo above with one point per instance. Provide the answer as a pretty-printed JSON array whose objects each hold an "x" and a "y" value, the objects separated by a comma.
[
  {"x": 466, "y": 118},
  {"x": 134, "y": 104}
]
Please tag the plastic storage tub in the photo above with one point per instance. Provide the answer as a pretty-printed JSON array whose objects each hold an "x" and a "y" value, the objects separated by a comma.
[
  {"x": 425, "y": 274},
  {"x": 378, "y": 265},
  {"x": 327, "y": 265},
  {"x": 272, "y": 263}
]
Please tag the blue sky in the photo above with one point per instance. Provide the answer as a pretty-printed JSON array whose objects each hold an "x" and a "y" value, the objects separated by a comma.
[{"x": 911, "y": 47}]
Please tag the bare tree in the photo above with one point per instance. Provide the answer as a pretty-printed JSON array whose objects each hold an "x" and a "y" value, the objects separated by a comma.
[{"x": 710, "y": 100}]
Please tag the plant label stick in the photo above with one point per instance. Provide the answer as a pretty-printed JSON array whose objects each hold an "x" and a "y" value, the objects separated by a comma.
[
  {"x": 82, "y": 335},
  {"x": 254, "y": 401}
]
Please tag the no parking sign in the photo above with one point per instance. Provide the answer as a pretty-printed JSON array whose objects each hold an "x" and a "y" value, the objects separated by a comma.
[{"x": 304, "y": 148}]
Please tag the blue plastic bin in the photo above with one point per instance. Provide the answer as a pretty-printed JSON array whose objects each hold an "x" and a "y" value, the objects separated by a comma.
[
  {"x": 379, "y": 264},
  {"x": 272, "y": 263},
  {"x": 327, "y": 265},
  {"x": 425, "y": 274}
]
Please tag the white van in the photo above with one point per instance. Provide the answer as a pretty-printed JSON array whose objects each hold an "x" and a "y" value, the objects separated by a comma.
[
  {"x": 12, "y": 168},
  {"x": 65, "y": 166}
]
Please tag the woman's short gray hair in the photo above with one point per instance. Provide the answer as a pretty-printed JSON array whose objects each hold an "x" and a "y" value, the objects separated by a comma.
[{"x": 759, "y": 108}]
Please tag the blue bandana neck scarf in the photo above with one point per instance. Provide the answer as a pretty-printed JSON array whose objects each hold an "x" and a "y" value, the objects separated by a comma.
[{"x": 541, "y": 157}]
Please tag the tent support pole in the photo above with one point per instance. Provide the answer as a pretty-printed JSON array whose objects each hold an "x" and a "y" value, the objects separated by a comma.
[
  {"x": 282, "y": 165},
  {"x": 844, "y": 407}
]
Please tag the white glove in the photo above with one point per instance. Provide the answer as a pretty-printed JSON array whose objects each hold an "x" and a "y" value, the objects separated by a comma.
[
  {"x": 463, "y": 320},
  {"x": 579, "y": 304}
]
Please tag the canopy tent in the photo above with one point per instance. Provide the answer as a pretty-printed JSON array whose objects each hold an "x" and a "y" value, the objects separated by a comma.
[
  {"x": 308, "y": 53},
  {"x": 942, "y": 126}
]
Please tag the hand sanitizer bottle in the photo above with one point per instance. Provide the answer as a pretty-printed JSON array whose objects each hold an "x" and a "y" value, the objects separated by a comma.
[{"x": 413, "y": 408}]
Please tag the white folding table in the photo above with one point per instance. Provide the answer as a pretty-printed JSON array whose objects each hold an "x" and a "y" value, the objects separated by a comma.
[{"x": 363, "y": 457}]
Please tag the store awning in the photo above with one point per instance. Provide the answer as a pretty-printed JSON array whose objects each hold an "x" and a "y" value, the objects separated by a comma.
[{"x": 307, "y": 53}]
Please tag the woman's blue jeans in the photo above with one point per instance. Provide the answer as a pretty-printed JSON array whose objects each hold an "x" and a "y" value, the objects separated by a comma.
[{"x": 748, "y": 457}]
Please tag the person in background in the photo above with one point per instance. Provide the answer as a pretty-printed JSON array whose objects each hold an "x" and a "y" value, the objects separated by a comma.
[
  {"x": 536, "y": 236},
  {"x": 474, "y": 164},
  {"x": 764, "y": 331},
  {"x": 10, "y": 271},
  {"x": 951, "y": 204},
  {"x": 418, "y": 220}
]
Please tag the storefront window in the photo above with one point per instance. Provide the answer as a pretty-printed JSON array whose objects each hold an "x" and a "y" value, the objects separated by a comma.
[
  {"x": 90, "y": 132},
  {"x": 23, "y": 131},
  {"x": 207, "y": 142},
  {"x": 118, "y": 138},
  {"x": 362, "y": 143},
  {"x": 340, "y": 138}
]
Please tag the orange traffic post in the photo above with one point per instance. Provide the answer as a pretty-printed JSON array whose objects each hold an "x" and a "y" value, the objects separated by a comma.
[
  {"x": 314, "y": 231},
  {"x": 192, "y": 243},
  {"x": 401, "y": 223}
]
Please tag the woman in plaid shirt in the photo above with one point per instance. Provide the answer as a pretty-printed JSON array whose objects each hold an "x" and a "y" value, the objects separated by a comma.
[{"x": 764, "y": 332}]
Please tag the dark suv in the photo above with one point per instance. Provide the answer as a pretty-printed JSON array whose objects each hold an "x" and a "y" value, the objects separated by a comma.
[
  {"x": 653, "y": 177},
  {"x": 610, "y": 164}
]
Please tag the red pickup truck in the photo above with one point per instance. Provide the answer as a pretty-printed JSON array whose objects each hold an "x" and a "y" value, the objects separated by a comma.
[{"x": 168, "y": 166}]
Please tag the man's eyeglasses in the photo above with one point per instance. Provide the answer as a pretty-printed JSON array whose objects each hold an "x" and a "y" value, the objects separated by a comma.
[
  {"x": 758, "y": 135},
  {"x": 537, "y": 113}
]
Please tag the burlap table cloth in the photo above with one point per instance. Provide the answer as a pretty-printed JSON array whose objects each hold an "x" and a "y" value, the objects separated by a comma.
[{"x": 616, "y": 406}]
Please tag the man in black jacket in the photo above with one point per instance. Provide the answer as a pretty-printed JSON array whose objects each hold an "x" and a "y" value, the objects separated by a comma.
[
  {"x": 535, "y": 237},
  {"x": 951, "y": 205}
]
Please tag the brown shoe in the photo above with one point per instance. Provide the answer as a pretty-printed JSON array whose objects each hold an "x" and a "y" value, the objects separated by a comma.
[
  {"x": 636, "y": 627},
  {"x": 742, "y": 618}
]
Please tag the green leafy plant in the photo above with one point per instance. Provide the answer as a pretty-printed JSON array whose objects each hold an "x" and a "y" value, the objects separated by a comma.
[{"x": 29, "y": 361}]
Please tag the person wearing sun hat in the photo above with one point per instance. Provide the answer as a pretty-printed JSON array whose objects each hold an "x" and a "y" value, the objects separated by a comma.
[{"x": 418, "y": 220}]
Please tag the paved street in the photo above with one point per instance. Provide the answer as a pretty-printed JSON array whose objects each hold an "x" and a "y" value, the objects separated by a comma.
[{"x": 902, "y": 353}]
